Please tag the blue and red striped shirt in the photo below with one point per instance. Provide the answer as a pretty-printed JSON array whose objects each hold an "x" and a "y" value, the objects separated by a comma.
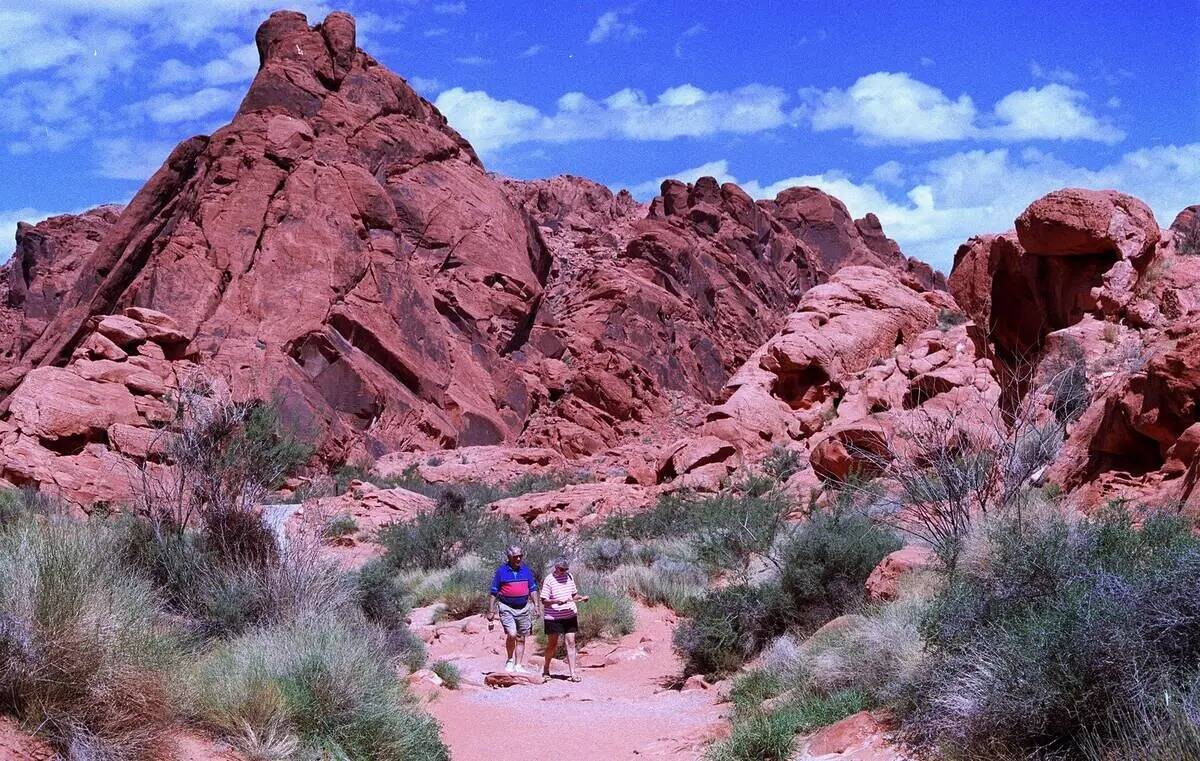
[{"x": 513, "y": 588}]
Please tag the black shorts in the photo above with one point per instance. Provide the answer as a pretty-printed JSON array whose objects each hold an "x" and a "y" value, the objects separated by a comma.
[{"x": 562, "y": 625}]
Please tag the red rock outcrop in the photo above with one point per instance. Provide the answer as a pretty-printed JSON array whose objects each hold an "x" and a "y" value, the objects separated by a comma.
[
  {"x": 339, "y": 246},
  {"x": 44, "y": 266},
  {"x": 1091, "y": 271}
]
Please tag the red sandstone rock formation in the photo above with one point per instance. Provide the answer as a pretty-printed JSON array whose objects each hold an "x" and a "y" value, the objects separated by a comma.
[{"x": 340, "y": 247}]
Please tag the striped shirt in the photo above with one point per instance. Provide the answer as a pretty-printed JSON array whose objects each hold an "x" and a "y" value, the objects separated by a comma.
[
  {"x": 558, "y": 596},
  {"x": 513, "y": 587}
]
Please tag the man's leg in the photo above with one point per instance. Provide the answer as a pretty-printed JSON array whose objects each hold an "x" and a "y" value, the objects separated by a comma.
[{"x": 511, "y": 630}]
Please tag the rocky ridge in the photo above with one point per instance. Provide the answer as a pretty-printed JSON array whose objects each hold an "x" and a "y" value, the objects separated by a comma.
[{"x": 340, "y": 248}]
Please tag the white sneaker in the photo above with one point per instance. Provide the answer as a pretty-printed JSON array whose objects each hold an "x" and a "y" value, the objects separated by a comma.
[
  {"x": 510, "y": 667},
  {"x": 519, "y": 669}
]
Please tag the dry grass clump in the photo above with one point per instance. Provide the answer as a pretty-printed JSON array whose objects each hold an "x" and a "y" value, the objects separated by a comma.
[
  {"x": 321, "y": 684},
  {"x": 83, "y": 654}
]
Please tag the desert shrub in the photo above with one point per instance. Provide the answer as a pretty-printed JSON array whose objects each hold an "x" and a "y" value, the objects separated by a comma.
[
  {"x": 949, "y": 318},
  {"x": 607, "y": 553},
  {"x": 83, "y": 656},
  {"x": 227, "y": 457},
  {"x": 1164, "y": 725},
  {"x": 1068, "y": 385},
  {"x": 338, "y": 526},
  {"x": 729, "y": 625},
  {"x": 15, "y": 503},
  {"x": 752, "y": 687},
  {"x": 826, "y": 561},
  {"x": 474, "y": 493},
  {"x": 321, "y": 683},
  {"x": 677, "y": 584},
  {"x": 380, "y": 595},
  {"x": 541, "y": 547},
  {"x": 877, "y": 656},
  {"x": 726, "y": 530},
  {"x": 448, "y": 672},
  {"x": 200, "y": 584},
  {"x": 781, "y": 463},
  {"x": 1057, "y": 626},
  {"x": 355, "y": 472},
  {"x": 438, "y": 537},
  {"x": 769, "y": 736},
  {"x": 607, "y": 614},
  {"x": 463, "y": 600},
  {"x": 11, "y": 506}
]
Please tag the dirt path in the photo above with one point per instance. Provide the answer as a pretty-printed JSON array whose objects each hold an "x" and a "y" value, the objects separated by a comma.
[{"x": 619, "y": 711}]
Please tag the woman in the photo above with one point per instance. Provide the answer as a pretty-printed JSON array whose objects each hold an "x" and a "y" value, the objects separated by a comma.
[{"x": 559, "y": 598}]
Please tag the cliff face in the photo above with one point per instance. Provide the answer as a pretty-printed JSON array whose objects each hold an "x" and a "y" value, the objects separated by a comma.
[{"x": 340, "y": 247}]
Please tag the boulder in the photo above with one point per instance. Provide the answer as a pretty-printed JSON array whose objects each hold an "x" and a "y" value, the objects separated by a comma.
[
  {"x": 574, "y": 505},
  {"x": 886, "y": 579},
  {"x": 1075, "y": 221}
]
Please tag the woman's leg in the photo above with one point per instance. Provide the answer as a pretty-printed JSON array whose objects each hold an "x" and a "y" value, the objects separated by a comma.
[
  {"x": 551, "y": 649},
  {"x": 571, "y": 652}
]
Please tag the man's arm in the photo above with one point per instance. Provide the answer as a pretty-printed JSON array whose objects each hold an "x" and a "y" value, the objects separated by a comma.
[
  {"x": 493, "y": 595},
  {"x": 535, "y": 594}
]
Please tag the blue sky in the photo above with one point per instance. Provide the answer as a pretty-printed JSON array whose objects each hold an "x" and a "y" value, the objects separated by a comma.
[{"x": 945, "y": 119}]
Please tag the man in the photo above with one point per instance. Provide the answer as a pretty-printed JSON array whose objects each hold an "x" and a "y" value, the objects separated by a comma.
[{"x": 514, "y": 592}]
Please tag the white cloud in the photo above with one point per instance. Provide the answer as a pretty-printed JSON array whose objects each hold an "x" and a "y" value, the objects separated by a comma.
[
  {"x": 1055, "y": 112},
  {"x": 716, "y": 169},
  {"x": 694, "y": 30},
  {"x": 894, "y": 108},
  {"x": 172, "y": 109},
  {"x": 531, "y": 51},
  {"x": 239, "y": 64},
  {"x": 129, "y": 159},
  {"x": 455, "y": 9},
  {"x": 425, "y": 85},
  {"x": 439, "y": 31},
  {"x": 612, "y": 25},
  {"x": 683, "y": 111},
  {"x": 947, "y": 200},
  {"x": 473, "y": 60},
  {"x": 1053, "y": 73},
  {"x": 487, "y": 122}
]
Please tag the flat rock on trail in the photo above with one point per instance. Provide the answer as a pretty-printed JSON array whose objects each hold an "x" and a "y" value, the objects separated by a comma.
[{"x": 621, "y": 709}]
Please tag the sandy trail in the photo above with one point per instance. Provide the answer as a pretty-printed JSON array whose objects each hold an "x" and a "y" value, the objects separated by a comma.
[{"x": 620, "y": 710}]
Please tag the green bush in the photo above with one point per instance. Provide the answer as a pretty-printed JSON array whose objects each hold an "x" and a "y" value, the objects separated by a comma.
[
  {"x": 676, "y": 584},
  {"x": 752, "y": 687},
  {"x": 763, "y": 736},
  {"x": 463, "y": 600},
  {"x": 320, "y": 682},
  {"x": 1055, "y": 629},
  {"x": 1165, "y": 727},
  {"x": 437, "y": 538},
  {"x": 729, "y": 626},
  {"x": 877, "y": 655},
  {"x": 606, "y": 615},
  {"x": 380, "y": 595},
  {"x": 341, "y": 525},
  {"x": 826, "y": 562},
  {"x": 725, "y": 530},
  {"x": 83, "y": 655},
  {"x": 448, "y": 672}
]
